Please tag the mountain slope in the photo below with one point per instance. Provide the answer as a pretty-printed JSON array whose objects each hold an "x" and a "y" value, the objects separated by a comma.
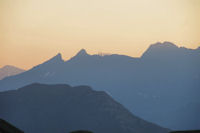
[
  {"x": 155, "y": 87},
  {"x": 9, "y": 71},
  {"x": 61, "y": 108}
]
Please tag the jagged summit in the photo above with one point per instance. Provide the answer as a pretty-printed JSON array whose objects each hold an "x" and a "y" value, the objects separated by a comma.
[
  {"x": 82, "y": 52},
  {"x": 57, "y": 58},
  {"x": 161, "y": 75}
]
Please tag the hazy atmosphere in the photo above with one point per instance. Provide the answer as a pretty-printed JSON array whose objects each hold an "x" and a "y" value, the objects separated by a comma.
[
  {"x": 99, "y": 66},
  {"x": 32, "y": 31}
]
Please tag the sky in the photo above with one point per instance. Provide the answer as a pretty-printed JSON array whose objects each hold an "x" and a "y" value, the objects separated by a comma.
[{"x": 32, "y": 31}]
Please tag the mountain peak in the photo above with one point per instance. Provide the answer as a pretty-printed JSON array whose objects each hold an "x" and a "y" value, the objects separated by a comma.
[
  {"x": 159, "y": 49},
  {"x": 9, "y": 70},
  {"x": 82, "y": 52},
  {"x": 57, "y": 57},
  {"x": 165, "y": 44},
  {"x": 54, "y": 60},
  {"x": 10, "y": 67}
]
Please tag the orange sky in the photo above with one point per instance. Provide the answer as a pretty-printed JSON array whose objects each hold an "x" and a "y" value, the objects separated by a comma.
[{"x": 32, "y": 31}]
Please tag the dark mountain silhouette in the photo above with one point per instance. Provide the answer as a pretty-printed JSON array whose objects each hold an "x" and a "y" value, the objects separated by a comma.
[
  {"x": 80, "y": 131},
  {"x": 6, "y": 127},
  {"x": 81, "y": 53},
  {"x": 9, "y": 71},
  {"x": 187, "y": 131},
  {"x": 40, "y": 108},
  {"x": 157, "y": 87}
]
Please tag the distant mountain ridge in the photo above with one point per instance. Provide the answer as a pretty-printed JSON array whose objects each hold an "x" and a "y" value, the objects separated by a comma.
[
  {"x": 168, "y": 49},
  {"x": 9, "y": 70},
  {"x": 155, "y": 87},
  {"x": 40, "y": 108}
]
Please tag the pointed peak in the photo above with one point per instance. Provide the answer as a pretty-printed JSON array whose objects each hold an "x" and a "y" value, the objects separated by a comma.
[
  {"x": 58, "y": 56},
  {"x": 82, "y": 52},
  {"x": 55, "y": 59}
]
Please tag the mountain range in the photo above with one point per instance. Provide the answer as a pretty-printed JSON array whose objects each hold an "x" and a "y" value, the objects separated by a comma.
[
  {"x": 9, "y": 70},
  {"x": 40, "y": 108},
  {"x": 162, "y": 86}
]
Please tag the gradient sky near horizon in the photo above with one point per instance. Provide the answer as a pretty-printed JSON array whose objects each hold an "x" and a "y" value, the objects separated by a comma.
[{"x": 32, "y": 31}]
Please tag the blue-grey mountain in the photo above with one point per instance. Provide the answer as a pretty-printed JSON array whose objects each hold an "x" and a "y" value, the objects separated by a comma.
[
  {"x": 40, "y": 108},
  {"x": 9, "y": 70},
  {"x": 162, "y": 86}
]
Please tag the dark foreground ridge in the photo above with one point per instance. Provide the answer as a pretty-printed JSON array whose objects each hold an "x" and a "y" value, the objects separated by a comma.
[
  {"x": 187, "y": 131},
  {"x": 6, "y": 127},
  {"x": 40, "y": 108}
]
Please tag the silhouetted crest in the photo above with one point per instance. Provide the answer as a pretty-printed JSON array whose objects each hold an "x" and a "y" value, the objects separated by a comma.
[
  {"x": 161, "y": 84},
  {"x": 58, "y": 57},
  {"x": 169, "y": 44},
  {"x": 160, "y": 49},
  {"x": 41, "y": 108},
  {"x": 9, "y": 70},
  {"x": 82, "y": 52},
  {"x": 54, "y": 60}
]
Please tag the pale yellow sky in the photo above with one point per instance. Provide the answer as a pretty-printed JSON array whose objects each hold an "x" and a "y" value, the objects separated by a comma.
[{"x": 32, "y": 31}]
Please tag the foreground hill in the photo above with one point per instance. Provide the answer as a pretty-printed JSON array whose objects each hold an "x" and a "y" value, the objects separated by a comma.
[
  {"x": 9, "y": 71},
  {"x": 39, "y": 108},
  {"x": 157, "y": 87}
]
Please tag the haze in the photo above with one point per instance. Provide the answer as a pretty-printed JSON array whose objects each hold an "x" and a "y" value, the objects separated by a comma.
[{"x": 31, "y": 31}]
